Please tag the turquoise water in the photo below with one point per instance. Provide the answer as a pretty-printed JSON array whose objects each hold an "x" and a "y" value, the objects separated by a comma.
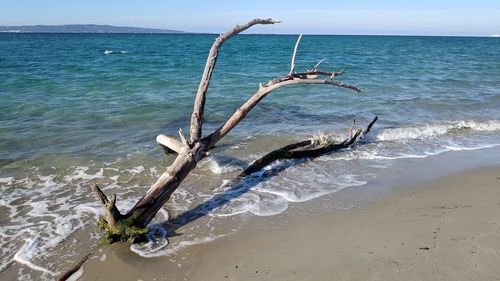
[{"x": 77, "y": 108}]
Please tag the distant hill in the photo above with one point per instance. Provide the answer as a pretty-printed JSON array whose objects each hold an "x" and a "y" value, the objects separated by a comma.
[{"x": 83, "y": 28}]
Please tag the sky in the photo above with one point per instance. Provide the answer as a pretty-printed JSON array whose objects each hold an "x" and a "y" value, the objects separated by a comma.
[{"x": 422, "y": 17}]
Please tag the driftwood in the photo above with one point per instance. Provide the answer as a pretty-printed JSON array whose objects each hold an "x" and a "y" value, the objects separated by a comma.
[
  {"x": 132, "y": 225},
  {"x": 306, "y": 149},
  {"x": 75, "y": 268}
]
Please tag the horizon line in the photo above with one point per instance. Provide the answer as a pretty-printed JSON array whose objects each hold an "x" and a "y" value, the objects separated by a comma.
[
  {"x": 262, "y": 34},
  {"x": 180, "y": 32}
]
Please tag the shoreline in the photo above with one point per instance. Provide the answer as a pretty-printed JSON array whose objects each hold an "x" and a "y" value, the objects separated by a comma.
[
  {"x": 57, "y": 143},
  {"x": 446, "y": 229}
]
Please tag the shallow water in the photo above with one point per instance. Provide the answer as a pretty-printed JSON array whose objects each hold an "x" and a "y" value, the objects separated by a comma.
[{"x": 77, "y": 108}]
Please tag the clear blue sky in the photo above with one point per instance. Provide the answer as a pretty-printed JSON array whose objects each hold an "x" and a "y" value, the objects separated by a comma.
[{"x": 436, "y": 17}]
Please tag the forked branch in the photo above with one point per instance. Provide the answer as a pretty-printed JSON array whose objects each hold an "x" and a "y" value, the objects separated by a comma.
[{"x": 263, "y": 91}]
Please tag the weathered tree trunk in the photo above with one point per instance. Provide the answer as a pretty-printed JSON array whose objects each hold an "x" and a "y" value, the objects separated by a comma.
[{"x": 133, "y": 224}]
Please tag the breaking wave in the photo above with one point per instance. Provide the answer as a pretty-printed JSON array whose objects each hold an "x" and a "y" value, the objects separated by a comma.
[
  {"x": 109, "y": 52},
  {"x": 433, "y": 130}
]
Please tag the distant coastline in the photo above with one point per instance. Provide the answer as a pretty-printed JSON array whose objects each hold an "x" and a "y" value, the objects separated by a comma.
[
  {"x": 83, "y": 28},
  {"x": 102, "y": 29}
]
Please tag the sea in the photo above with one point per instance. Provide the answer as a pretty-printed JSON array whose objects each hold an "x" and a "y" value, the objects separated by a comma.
[{"x": 83, "y": 108}]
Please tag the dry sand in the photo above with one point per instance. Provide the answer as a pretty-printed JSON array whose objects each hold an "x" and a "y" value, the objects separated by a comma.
[{"x": 447, "y": 229}]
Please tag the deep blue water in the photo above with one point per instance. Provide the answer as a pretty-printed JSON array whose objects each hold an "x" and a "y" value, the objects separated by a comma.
[{"x": 76, "y": 108}]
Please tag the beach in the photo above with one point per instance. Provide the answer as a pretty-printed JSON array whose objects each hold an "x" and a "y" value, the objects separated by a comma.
[{"x": 444, "y": 229}]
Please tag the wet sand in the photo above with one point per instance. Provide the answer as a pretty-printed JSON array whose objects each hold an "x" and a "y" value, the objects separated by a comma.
[{"x": 447, "y": 229}]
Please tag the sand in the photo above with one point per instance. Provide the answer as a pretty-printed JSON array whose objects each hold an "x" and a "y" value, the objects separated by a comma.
[{"x": 447, "y": 229}]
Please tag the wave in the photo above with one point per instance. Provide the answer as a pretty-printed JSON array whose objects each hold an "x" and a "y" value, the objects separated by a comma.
[
  {"x": 109, "y": 52},
  {"x": 433, "y": 130},
  {"x": 396, "y": 100},
  {"x": 223, "y": 165}
]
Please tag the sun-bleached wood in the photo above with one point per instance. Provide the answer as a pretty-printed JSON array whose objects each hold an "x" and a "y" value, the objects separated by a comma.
[
  {"x": 199, "y": 103},
  {"x": 169, "y": 144},
  {"x": 241, "y": 112},
  {"x": 292, "y": 64},
  {"x": 189, "y": 152}
]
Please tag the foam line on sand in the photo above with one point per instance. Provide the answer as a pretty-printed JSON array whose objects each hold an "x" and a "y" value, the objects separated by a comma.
[{"x": 447, "y": 229}]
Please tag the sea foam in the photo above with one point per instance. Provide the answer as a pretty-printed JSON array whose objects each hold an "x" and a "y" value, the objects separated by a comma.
[
  {"x": 434, "y": 130},
  {"x": 109, "y": 52}
]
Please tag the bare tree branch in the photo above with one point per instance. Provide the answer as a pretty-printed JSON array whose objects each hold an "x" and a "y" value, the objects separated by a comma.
[
  {"x": 111, "y": 212},
  {"x": 351, "y": 130},
  {"x": 183, "y": 138},
  {"x": 292, "y": 64},
  {"x": 241, "y": 112},
  {"x": 315, "y": 72},
  {"x": 169, "y": 144},
  {"x": 199, "y": 104},
  {"x": 304, "y": 149},
  {"x": 317, "y": 65},
  {"x": 367, "y": 129}
]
